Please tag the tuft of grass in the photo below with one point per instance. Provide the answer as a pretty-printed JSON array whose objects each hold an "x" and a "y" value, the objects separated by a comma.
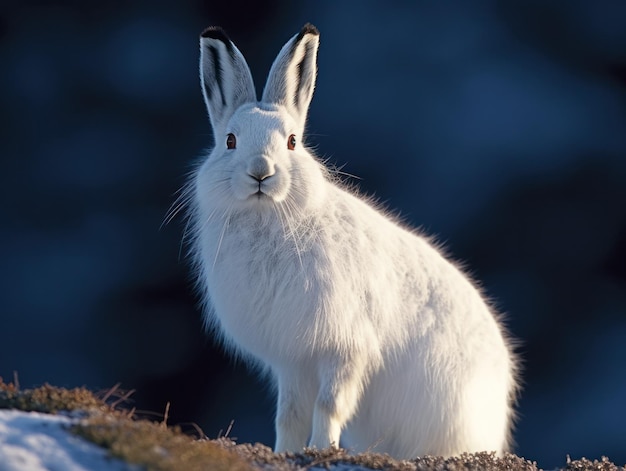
[{"x": 47, "y": 398}]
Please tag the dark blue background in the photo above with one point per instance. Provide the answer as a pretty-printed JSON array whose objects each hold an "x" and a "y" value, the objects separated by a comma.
[{"x": 500, "y": 127}]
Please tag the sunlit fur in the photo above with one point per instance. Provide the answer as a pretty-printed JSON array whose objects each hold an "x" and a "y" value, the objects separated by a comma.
[{"x": 372, "y": 336}]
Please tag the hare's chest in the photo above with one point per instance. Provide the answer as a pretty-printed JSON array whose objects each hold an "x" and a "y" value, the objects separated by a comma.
[{"x": 259, "y": 289}]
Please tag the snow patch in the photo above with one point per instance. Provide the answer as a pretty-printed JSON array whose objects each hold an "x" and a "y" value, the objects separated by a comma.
[{"x": 42, "y": 442}]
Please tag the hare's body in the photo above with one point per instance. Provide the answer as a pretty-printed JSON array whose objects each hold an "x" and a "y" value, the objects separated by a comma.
[{"x": 370, "y": 333}]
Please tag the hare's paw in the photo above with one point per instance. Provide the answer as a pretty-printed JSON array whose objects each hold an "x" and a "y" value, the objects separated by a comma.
[
  {"x": 292, "y": 431},
  {"x": 326, "y": 430},
  {"x": 294, "y": 415},
  {"x": 336, "y": 403}
]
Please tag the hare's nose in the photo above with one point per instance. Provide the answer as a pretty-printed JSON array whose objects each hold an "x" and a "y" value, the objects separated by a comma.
[{"x": 261, "y": 168}]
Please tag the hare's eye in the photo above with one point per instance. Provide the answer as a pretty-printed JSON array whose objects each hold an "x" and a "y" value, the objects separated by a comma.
[
  {"x": 231, "y": 141},
  {"x": 291, "y": 142}
]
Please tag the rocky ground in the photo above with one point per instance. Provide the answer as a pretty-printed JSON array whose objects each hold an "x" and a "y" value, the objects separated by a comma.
[{"x": 262, "y": 457}]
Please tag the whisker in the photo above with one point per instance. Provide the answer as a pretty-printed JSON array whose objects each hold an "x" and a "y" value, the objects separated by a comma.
[
  {"x": 289, "y": 215},
  {"x": 179, "y": 203},
  {"x": 227, "y": 215},
  {"x": 339, "y": 172},
  {"x": 184, "y": 238}
]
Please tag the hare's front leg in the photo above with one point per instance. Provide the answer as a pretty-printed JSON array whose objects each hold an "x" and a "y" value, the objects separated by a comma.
[
  {"x": 294, "y": 415},
  {"x": 336, "y": 401}
]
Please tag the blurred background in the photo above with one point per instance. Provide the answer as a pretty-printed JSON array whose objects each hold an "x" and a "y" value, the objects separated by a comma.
[{"x": 499, "y": 127}]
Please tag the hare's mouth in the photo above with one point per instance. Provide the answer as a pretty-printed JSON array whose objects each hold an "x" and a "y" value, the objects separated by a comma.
[
  {"x": 268, "y": 190},
  {"x": 259, "y": 193}
]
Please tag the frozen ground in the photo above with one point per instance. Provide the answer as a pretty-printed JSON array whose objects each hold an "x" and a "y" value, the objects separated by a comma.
[{"x": 41, "y": 442}]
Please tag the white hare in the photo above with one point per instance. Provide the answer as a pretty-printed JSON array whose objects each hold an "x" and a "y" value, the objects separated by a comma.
[{"x": 372, "y": 336}]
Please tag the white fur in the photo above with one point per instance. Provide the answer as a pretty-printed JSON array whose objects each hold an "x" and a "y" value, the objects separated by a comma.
[{"x": 372, "y": 336}]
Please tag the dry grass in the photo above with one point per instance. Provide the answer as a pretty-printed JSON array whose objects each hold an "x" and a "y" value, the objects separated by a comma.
[
  {"x": 155, "y": 446},
  {"x": 47, "y": 398}
]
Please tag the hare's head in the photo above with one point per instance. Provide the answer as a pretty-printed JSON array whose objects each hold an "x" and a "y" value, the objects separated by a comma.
[{"x": 259, "y": 160}]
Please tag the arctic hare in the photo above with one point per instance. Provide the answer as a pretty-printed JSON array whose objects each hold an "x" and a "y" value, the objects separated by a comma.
[{"x": 373, "y": 338}]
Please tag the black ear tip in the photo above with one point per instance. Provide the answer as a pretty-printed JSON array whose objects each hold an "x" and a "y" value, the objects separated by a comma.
[
  {"x": 215, "y": 32},
  {"x": 309, "y": 29}
]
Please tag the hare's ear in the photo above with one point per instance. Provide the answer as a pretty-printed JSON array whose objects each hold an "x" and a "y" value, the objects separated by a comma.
[
  {"x": 292, "y": 77},
  {"x": 226, "y": 80}
]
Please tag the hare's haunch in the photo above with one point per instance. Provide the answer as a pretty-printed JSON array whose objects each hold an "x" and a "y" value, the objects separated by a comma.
[{"x": 374, "y": 339}]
